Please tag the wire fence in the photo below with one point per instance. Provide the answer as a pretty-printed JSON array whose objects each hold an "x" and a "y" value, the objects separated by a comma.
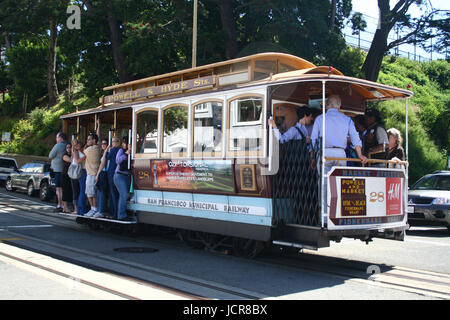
[
  {"x": 362, "y": 44},
  {"x": 414, "y": 52}
]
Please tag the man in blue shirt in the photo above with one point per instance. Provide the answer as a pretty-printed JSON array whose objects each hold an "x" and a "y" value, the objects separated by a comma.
[{"x": 338, "y": 127}]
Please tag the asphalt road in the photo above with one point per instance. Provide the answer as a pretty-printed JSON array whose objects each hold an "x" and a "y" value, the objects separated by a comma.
[{"x": 210, "y": 275}]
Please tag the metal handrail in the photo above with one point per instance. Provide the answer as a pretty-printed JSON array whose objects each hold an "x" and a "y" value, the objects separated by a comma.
[{"x": 368, "y": 160}]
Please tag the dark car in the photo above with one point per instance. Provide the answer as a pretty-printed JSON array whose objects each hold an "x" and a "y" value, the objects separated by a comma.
[
  {"x": 33, "y": 177},
  {"x": 429, "y": 199},
  {"x": 7, "y": 166}
]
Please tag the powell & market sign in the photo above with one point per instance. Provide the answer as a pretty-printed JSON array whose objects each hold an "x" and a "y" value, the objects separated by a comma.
[{"x": 162, "y": 89}]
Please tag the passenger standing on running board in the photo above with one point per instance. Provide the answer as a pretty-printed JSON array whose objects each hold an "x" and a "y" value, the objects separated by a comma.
[
  {"x": 56, "y": 155},
  {"x": 122, "y": 180},
  {"x": 92, "y": 163}
]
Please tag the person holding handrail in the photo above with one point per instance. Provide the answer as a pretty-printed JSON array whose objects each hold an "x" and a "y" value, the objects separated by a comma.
[
  {"x": 122, "y": 180},
  {"x": 396, "y": 152},
  {"x": 338, "y": 127}
]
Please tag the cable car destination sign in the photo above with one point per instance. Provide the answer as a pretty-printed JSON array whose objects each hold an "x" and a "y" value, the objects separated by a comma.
[{"x": 162, "y": 89}]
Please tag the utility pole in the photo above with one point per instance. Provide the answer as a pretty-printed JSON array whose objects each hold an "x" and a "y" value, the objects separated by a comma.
[{"x": 194, "y": 36}]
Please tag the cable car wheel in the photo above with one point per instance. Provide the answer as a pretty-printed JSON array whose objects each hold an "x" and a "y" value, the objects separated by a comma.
[
  {"x": 191, "y": 239},
  {"x": 247, "y": 248}
]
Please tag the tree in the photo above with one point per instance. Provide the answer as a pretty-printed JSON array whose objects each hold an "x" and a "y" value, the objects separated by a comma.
[
  {"x": 105, "y": 13},
  {"x": 229, "y": 24},
  {"x": 340, "y": 9},
  {"x": 423, "y": 28},
  {"x": 38, "y": 20}
]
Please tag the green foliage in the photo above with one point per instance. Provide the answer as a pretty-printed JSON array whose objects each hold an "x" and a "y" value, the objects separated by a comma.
[
  {"x": 175, "y": 118},
  {"x": 428, "y": 113},
  {"x": 350, "y": 61},
  {"x": 424, "y": 155},
  {"x": 28, "y": 67},
  {"x": 31, "y": 134}
]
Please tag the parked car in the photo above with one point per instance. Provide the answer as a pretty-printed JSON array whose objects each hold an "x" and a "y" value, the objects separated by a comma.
[
  {"x": 429, "y": 199},
  {"x": 7, "y": 166},
  {"x": 33, "y": 177}
]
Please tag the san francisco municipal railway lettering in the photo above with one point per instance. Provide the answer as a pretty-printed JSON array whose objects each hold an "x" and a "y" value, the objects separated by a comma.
[{"x": 206, "y": 206}]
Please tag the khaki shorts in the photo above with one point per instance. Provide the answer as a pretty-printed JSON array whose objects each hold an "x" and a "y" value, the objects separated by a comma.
[{"x": 91, "y": 189}]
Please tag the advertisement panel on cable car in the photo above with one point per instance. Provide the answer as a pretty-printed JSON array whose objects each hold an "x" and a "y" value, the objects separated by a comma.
[{"x": 365, "y": 197}]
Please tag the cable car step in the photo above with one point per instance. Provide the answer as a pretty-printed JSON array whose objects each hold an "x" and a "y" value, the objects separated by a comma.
[{"x": 81, "y": 218}]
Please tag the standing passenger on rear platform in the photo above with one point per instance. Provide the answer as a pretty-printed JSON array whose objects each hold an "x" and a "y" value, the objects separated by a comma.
[
  {"x": 337, "y": 127},
  {"x": 122, "y": 179}
]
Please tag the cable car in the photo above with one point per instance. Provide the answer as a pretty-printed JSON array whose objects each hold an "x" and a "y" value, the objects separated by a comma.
[{"x": 205, "y": 159}]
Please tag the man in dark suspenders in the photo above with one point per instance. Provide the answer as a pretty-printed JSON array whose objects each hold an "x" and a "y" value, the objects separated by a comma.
[{"x": 375, "y": 141}]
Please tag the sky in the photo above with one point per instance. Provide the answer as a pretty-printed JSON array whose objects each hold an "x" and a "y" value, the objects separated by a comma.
[{"x": 370, "y": 9}]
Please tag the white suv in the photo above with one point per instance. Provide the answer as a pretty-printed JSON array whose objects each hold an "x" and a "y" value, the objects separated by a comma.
[
  {"x": 7, "y": 166},
  {"x": 429, "y": 199}
]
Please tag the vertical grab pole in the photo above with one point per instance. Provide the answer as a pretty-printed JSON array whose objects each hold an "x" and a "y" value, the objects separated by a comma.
[
  {"x": 406, "y": 156},
  {"x": 323, "y": 186},
  {"x": 406, "y": 129},
  {"x": 270, "y": 146},
  {"x": 129, "y": 143}
]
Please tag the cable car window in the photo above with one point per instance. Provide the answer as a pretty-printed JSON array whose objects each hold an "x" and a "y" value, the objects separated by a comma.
[
  {"x": 147, "y": 132},
  {"x": 245, "y": 124},
  {"x": 175, "y": 123},
  {"x": 208, "y": 127}
]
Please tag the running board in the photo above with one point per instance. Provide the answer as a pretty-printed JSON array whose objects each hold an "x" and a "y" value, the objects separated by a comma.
[{"x": 80, "y": 217}]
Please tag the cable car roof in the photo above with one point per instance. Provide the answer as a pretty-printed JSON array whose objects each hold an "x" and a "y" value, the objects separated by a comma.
[{"x": 263, "y": 68}]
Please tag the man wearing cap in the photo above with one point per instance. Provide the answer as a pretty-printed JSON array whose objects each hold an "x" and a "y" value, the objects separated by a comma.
[{"x": 376, "y": 141}]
